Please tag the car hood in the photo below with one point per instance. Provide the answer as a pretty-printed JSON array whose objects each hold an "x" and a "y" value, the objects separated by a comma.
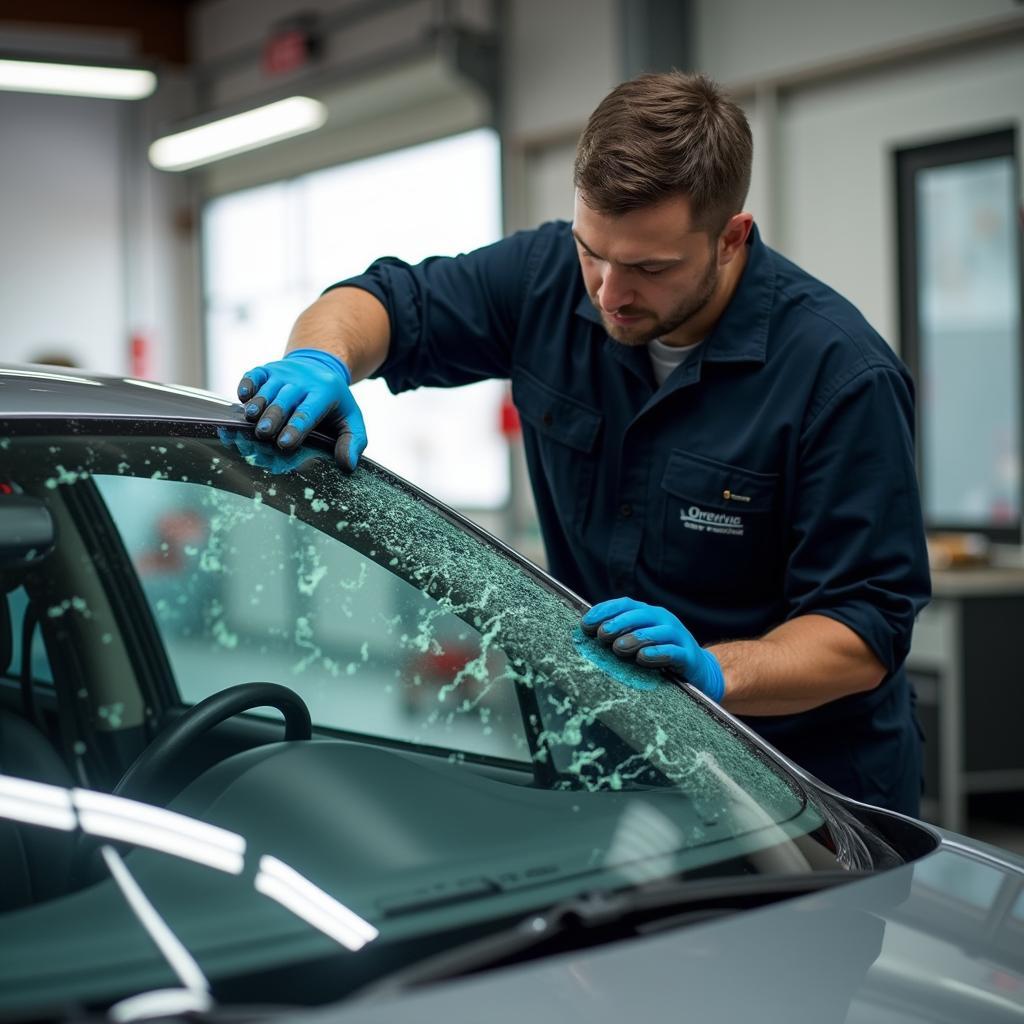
[{"x": 938, "y": 940}]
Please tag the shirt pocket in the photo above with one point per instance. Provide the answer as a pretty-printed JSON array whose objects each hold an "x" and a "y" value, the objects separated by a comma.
[
  {"x": 719, "y": 535},
  {"x": 566, "y": 432}
]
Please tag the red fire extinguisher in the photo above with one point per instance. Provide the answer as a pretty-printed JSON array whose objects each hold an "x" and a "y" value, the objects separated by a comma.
[
  {"x": 508, "y": 422},
  {"x": 140, "y": 353}
]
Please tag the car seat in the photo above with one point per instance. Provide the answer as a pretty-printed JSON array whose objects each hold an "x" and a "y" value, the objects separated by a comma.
[{"x": 35, "y": 862}]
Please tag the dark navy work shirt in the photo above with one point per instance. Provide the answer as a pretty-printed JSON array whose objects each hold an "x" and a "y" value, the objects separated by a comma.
[{"x": 770, "y": 476}]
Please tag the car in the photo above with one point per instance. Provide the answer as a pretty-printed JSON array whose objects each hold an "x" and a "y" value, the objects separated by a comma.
[{"x": 471, "y": 809}]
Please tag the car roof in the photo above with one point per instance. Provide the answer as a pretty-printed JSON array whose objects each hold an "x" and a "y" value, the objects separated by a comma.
[{"x": 33, "y": 391}]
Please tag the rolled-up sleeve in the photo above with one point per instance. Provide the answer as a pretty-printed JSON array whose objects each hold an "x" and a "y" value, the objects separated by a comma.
[
  {"x": 857, "y": 545},
  {"x": 453, "y": 319}
]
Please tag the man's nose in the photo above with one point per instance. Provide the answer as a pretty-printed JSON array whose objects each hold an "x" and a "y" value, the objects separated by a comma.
[{"x": 614, "y": 292}]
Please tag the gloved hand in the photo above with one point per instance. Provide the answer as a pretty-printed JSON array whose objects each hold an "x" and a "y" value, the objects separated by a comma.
[
  {"x": 266, "y": 456},
  {"x": 655, "y": 638},
  {"x": 306, "y": 387}
]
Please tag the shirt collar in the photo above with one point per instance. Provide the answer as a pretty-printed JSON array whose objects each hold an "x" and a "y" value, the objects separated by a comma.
[{"x": 741, "y": 334}]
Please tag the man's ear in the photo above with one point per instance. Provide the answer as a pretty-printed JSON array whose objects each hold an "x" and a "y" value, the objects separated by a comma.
[{"x": 734, "y": 236}]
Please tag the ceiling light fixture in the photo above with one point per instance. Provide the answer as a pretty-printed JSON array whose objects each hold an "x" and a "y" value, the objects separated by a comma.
[
  {"x": 237, "y": 133},
  {"x": 108, "y": 83}
]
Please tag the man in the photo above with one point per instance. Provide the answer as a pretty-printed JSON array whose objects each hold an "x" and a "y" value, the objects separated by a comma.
[{"x": 707, "y": 427}]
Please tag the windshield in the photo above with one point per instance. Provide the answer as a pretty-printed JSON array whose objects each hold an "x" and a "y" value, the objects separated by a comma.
[{"x": 475, "y": 755}]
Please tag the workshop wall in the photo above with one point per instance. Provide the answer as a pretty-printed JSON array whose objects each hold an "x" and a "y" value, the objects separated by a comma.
[
  {"x": 830, "y": 88},
  {"x": 95, "y": 242},
  {"x": 61, "y": 284},
  {"x": 560, "y": 59},
  {"x": 61, "y": 281},
  {"x": 836, "y": 195},
  {"x": 738, "y": 41},
  {"x": 557, "y": 58},
  {"x": 831, "y": 91}
]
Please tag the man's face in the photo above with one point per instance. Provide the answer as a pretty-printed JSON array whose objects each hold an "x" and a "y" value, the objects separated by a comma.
[{"x": 648, "y": 272}]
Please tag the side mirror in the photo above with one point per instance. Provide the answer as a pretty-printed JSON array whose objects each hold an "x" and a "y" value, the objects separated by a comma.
[{"x": 27, "y": 533}]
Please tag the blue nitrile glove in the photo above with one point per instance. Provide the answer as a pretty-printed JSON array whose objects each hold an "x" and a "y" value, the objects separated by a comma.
[
  {"x": 306, "y": 388},
  {"x": 267, "y": 456},
  {"x": 655, "y": 638}
]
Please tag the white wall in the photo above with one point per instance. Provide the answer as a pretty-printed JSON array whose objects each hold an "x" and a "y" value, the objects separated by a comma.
[
  {"x": 61, "y": 268},
  {"x": 562, "y": 57},
  {"x": 828, "y": 107},
  {"x": 99, "y": 244},
  {"x": 747, "y": 40},
  {"x": 161, "y": 241},
  {"x": 838, "y": 210},
  {"x": 90, "y": 252},
  {"x": 821, "y": 188},
  {"x": 823, "y": 184}
]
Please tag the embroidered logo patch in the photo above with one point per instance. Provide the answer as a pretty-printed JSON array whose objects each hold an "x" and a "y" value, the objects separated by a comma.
[{"x": 697, "y": 518}]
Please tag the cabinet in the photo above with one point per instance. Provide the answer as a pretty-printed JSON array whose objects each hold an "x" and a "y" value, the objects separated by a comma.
[{"x": 966, "y": 664}]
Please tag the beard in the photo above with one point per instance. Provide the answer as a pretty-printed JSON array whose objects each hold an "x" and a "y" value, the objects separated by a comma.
[{"x": 683, "y": 313}]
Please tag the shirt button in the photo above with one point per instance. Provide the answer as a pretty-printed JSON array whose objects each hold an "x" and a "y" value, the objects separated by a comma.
[
  {"x": 625, "y": 511},
  {"x": 547, "y": 419}
]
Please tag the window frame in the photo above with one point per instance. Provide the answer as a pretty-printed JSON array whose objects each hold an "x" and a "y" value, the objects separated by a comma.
[{"x": 908, "y": 163}]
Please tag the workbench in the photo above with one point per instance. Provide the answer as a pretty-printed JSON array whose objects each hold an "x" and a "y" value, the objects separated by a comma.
[{"x": 965, "y": 663}]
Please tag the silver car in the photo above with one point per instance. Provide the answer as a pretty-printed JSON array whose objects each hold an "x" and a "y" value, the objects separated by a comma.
[{"x": 471, "y": 810}]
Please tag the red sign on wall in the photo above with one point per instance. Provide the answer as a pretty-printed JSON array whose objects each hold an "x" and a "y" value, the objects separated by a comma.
[
  {"x": 140, "y": 352},
  {"x": 286, "y": 50}
]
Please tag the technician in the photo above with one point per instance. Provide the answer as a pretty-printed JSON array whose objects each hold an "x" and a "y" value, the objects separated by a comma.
[{"x": 708, "y": 429}]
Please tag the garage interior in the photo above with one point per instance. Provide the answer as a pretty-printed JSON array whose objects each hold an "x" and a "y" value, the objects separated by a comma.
[{"x": 443, "y": 125}]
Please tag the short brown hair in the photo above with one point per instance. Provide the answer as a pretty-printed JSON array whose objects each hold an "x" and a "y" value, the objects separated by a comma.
[{"x": 661, "y": 135}]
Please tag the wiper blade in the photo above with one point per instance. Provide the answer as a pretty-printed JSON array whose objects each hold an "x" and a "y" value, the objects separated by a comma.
[
  {"x": 160, "y": 1007},
  {"x": 597, "y": 917}
]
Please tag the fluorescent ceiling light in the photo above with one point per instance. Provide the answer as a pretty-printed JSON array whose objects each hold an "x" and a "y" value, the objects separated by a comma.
[
  {"x": 6, "y": 371},
  {"x": 114, "y": 817},
  {"x": 37, "y": 803},
  {"x": 237, "y": 134},
  {"x": 76, "y": 80},
  {"x": 174, "y": 389},
  {"x": 174, "y": 951},
  {"x": 298, "y": 894}
]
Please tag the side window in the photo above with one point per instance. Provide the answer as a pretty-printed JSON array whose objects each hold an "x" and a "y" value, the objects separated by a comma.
[
  {"x": 244, "y": 592},
  {"x": 18, "y": 607}
]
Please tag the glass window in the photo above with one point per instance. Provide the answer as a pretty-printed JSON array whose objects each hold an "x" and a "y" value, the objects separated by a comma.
[
  {"x": 970, "y": 325},
  {"x": 970, "y": 881},
  {"x": 18, "y": 606},
  {"x": 270, "y": 251},
  {"x": 388, "y": 618},
  {"x": 961, "y": 299},
  {"x": 243, "y": 591}
]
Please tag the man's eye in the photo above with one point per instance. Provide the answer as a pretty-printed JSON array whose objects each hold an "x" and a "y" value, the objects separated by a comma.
[{"x": 653, "y": 271}]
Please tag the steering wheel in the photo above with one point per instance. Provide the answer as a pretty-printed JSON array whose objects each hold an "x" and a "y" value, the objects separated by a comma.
[{"x": 141, "y": 778}]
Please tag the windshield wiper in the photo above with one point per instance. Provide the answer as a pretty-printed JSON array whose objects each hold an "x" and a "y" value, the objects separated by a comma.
[{"x": 598, "y": 917}]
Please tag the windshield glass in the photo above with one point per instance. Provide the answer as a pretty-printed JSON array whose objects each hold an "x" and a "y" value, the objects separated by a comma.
[{"x": 476, "y": 756}]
